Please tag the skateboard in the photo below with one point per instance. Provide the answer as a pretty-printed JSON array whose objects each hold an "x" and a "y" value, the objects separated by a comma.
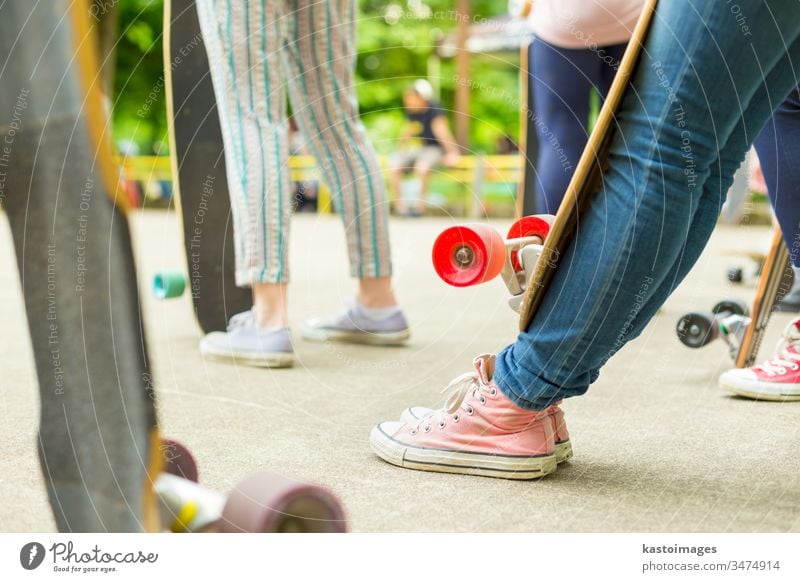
[
  {"x": 588, "y": 174},
  {"x": 528, "y": 140},
  {"x": 198, "y": 170},
  {"x": 104, "y": 463},
  {"x": 774, "y": 283},
  {"x": 730, "y": 320}
]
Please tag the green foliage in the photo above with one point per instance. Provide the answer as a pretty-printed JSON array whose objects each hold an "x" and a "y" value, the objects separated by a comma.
[
  {"x": 396, "y": 40},
  {"x": 139, "y": 99}
]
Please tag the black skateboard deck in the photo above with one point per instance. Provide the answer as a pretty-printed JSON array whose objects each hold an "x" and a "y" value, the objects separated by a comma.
[
  {"x": 198, "y": 170},
  {"x": 98, "y": 433}
]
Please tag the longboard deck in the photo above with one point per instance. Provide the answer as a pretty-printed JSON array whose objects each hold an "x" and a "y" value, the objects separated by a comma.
[
  {"x": 528, "y": 141},
  {"x": 98, "y": 426},
  {"x": 588, "y": 175},
  {"x": 198, "y": 169},
  {"x": 775, "y": 281}
]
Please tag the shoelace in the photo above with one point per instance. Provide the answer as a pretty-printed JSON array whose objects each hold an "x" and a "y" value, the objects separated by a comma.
[
  {"x": 458, "y": 390},
  {"x": 785, "y": 358}
]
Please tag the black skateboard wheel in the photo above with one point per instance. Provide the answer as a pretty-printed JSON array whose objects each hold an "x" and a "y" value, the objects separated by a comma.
[
  {"x": 735, "y": 275},
  {"x": 730, "y": 307},
  {"x": 269, "y": 503},
  {"x": 696, "y": 330}
]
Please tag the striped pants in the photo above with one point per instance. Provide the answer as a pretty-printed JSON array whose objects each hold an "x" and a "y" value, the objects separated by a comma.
[{"x": 260, "y": 50}]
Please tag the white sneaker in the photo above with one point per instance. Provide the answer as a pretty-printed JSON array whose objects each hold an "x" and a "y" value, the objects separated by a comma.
[
  {"x": 250, "y": 344},
  {"x": 354, "y": 325}
]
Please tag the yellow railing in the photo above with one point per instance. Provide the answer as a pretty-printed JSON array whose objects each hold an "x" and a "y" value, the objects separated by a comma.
[{"x": 474, "y": 172}]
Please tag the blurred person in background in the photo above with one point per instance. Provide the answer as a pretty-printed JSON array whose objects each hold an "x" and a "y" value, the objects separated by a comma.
[{"x": 425, "y": 142}]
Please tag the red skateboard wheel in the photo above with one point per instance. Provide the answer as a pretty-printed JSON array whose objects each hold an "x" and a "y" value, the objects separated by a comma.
[
  {"x": 468, "y": 255},
  {"x": 538, "y": 225},
  {"x": 268, "y": 503}
]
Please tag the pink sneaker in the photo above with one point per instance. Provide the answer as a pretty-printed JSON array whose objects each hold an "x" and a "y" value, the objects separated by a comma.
[
  {"x": 478, "y": 432},
  {"x": 563, "y": 448},
  {"x": 776, "y": 379}
]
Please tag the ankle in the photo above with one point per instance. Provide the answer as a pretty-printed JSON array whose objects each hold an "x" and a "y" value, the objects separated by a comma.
[
  {"x": 368, "y": 302},
  {"x": 266, "y": 318},
  {"x": 376, "y": 293}
]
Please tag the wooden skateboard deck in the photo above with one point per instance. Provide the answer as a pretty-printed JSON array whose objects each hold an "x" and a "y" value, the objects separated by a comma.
[
  {"x": 98, "y": 427},
  {"x": 198, "y": 171},
  {"x": 775, "y": 281},
  {"x": 588, "y": 174},
  {"x": 528, "y": 141}
]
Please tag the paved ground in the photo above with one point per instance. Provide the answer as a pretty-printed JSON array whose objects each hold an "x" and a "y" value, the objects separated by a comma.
[{"x": 658, "y": 446}]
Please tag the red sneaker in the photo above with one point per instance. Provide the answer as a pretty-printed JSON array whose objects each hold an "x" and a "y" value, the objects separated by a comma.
[{"x": 775, "y": 379}]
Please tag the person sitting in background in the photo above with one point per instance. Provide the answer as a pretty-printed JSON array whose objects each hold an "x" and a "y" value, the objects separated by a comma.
[{"x": 428, "y": 126}]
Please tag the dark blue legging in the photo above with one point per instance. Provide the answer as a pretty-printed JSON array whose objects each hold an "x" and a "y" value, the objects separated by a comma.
[
  {"x": 778, "y": 149},
  {"x": 561, "y": 81}
]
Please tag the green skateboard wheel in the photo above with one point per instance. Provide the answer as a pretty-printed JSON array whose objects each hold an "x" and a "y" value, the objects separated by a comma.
[{"x": 169, "y": 285}]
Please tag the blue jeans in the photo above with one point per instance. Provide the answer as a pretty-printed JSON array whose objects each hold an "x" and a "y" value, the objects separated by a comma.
[
  {"x": 778, "y": 148},
  {"x": 708, "y": 81},
  {"x": 561, "y": 81}
]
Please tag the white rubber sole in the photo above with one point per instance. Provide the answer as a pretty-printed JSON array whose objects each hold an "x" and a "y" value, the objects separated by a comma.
[
  {"x": 444, "y": 461},
  {"x": 563, "y": 452},
  {"x": 254, "y": 359},
  {"x": 358, "y": 337},
  {"x": 760, "y": 390}
]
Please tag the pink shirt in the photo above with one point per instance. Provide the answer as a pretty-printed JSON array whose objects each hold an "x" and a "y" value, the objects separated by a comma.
[{"x": 584, "y": 23}]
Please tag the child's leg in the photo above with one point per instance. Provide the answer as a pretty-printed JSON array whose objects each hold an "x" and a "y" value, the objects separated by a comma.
[
  {"x": 664, "y": 162},
  {"x": 560, "y": 81},
  {"x": 320, "y": 61},
  {"x": 778, "y": 148},
  {"x": 243, "y": 40},
  {"x": 698, "y": 229}
]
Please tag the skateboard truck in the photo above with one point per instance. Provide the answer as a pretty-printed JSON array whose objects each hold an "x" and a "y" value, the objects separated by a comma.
[
  {"x": 727, "y": 320},
  {"x": 471, "y": 254}
]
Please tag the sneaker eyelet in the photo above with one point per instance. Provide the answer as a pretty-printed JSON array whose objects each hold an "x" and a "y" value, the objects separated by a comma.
[
  {"x": 456, "y": 418},
  {"x": 782, "y": 371},
  {"x": 470, "y": 410},
  {"x": 493, "y": 391},
  {"x": 441, "y": 424},
  {"x": 427, "y": 428},
  {"x": 413, "y": 431},
  {"x": 795, "y": 367},
  {"x": 482, "y": 399}
]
